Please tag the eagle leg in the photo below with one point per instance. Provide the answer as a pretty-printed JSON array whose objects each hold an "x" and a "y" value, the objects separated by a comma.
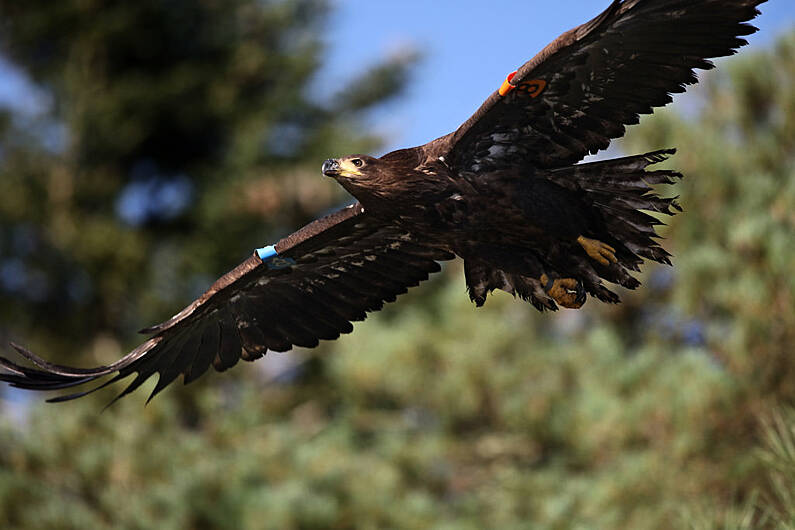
[
  {"x": 568, "y": 292},
  {"x": 601, "y": 252}
]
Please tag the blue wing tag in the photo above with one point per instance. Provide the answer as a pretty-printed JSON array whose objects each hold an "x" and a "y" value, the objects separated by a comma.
[{"x": 270, "y": 258}]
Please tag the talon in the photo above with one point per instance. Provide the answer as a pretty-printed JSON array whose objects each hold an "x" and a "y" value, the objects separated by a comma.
[
  {"x": 567, "y": 292},
  {"x": 598, "y": 251}
]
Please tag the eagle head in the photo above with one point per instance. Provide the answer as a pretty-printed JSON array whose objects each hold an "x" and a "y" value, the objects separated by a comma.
[
  {"x": 352, "y": 167},
  {"x": 378, "y": 182},
  {"x": 361, "y": 175}
]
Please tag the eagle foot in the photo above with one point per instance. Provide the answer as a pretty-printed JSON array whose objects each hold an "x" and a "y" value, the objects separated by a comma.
[
  {"x": 567, "y": 292},
  {"x": 598, "y": 251}
]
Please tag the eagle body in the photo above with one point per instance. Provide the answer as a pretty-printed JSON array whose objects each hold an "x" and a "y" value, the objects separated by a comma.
[
  {"x": 518, "y": 226},
  {"x": 457, "y": 211},
  {"x": 507, "y": 192}
]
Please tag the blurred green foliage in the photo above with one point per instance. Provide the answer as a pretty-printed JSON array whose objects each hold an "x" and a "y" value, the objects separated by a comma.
[{"x": 657, "y": 413}]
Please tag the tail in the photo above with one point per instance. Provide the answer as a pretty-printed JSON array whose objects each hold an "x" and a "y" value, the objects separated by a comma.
[{"x": 620, "y": 191}]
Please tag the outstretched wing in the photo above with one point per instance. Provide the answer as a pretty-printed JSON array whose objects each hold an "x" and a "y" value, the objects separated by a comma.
[
  {"x": 309, "y": 286},
  {"x": 581, "y": 90}
]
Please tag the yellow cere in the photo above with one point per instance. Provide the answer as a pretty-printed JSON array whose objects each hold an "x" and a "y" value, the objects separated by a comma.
[{"x": 347, "y": 169}]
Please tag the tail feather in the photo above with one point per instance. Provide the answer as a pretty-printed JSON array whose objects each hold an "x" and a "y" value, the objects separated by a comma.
[{"x": 622, "y": 192}]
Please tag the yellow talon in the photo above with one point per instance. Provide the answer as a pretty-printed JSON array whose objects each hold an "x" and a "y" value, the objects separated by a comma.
[
  {"x": 565, "y": 291},
  {"x": 598, "y": 251}
]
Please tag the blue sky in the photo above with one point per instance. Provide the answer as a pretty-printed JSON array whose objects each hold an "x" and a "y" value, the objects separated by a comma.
[{"x": 468, "y": 47}]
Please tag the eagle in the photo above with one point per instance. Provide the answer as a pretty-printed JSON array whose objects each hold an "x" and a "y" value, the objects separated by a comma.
[{"x": 507, "y": 192}]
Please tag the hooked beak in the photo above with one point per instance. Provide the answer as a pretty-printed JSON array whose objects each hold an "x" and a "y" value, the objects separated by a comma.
[{"x": 331, "y": 168}]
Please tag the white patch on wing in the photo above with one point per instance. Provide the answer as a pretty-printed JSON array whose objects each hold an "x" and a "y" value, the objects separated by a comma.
[
  {"x": 501, "y": 137},
  {"x": 496, "y": 150}
]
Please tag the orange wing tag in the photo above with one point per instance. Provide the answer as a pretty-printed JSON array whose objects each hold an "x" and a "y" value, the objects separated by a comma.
[
  {"x": 506, "y": 85},
  {"x": 531, "y": 88}
]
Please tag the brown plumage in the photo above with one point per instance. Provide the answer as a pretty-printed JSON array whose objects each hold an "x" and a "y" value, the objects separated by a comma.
[{"x": 504, "y": 192}]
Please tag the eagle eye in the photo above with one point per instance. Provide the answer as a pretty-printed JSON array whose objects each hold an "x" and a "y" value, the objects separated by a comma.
[{"x": 357, "y": 162}]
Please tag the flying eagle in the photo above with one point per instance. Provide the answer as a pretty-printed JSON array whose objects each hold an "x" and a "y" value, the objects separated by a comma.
[{"x": 504, "y": 192}]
